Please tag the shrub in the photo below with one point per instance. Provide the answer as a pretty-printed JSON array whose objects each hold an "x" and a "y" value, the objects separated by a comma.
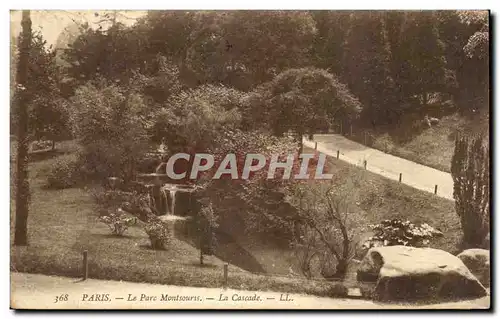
[
  {"x": 41, "y": 145},
  {"x": 159, "y": 235},
  {"x": 118, "y": 223},
  {"x": 397, "y": 232},
  {"x": 110, "y": 125},
  {"x": 64, "y": 173},
  {"x": 470, "y": 169},
  {"x": 206, "y": 224},
  {"x": 112, "y": 198}
]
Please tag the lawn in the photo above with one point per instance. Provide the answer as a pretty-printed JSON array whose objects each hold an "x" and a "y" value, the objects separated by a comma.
[
  {"x": 434, "y": 146},
  {"x": 378, "y": 198},
  {"x": 63, "y": 223}
]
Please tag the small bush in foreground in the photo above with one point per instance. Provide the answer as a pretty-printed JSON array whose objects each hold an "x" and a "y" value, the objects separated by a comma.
[
  {"x": 64, "y": 173},
  {"x": 117, "y": 223},
  {"x": 159, "y": 235}
]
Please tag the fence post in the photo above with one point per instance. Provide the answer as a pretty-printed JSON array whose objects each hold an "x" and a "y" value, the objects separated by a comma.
[
  {"x": 226, "y": 265},
  {"x": 338, "y": 154},
  {"x": 85, "y": 265},
  {"x": 435, "y": 190},
  {"x": 400, "y": 177}
]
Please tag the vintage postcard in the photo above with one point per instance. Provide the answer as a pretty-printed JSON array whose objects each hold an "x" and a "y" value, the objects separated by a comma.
[{"x": 250, "y": 159}]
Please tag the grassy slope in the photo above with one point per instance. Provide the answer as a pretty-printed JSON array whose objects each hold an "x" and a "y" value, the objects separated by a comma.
[
  {"x": 63, "y": 223},
  {"x": 434, "y": 146},
  {"x": 378, "y": 198}
]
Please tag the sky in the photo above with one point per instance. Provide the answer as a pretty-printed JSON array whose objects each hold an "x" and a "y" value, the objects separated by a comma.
[{"x": 52, "y": 22}]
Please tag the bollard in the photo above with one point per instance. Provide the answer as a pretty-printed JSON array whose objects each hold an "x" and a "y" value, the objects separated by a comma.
[
  {"x": 400, "y": 177},
  {"x": 226, "y": 265},
  {"x": 338, "y": 154},
  {"x": 315, "y": 145},
  {"x": 85, "y": 265},
  {"x": 435, "y": 190}
]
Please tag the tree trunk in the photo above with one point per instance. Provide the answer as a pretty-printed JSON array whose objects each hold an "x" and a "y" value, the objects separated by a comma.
[
  {"x": 341, "y": 269},
  {"x": 22, "y": 183},
  {"x": 299, "y": 140}
]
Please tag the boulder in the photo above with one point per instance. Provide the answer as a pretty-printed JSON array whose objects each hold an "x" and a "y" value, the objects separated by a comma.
[
  {"x": 411, "y": 274},
  {"x": 478, "y": 262}
]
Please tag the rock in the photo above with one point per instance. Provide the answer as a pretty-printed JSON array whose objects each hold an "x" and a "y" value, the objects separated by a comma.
[
  {"x": 478, "y": 262},
  {"x": 487, "y": 243},
  {"x": 409, "y": 274}
]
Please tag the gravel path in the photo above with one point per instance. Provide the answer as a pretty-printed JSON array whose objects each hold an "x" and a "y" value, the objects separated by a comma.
[
  {"x": 32, "y": 291},
  {"x": 413, "y": 174}
]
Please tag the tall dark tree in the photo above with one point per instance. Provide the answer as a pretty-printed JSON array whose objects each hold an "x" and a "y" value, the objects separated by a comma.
[
  {"x": 366, "y": 66},
  {"x": 328, "y": 45},
  {"x": 470, "y": 169},
  {"x": 421, "y": 57},
  {"x": 23, "y": 98}
]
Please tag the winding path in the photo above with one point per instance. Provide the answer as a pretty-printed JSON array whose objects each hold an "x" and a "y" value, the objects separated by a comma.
[{"x": 413, "y": 174}]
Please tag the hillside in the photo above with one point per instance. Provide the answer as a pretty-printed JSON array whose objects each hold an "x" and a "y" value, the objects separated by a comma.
[{"x": 433, "y": 146}]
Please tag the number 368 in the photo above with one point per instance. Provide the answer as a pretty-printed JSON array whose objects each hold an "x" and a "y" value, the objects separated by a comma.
[{"x": 60, "y": 298}]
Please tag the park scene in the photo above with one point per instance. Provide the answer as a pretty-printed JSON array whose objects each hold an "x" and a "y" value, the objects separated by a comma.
[{"x": 334, "y": 154}]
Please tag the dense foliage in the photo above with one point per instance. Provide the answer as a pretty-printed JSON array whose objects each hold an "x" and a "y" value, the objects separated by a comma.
[
  {"x": 109, "y": 124},
  {"x": 239, "y": 82},
  {"x": 470, "y": 169},
  {"x": 397, "y": 232}
]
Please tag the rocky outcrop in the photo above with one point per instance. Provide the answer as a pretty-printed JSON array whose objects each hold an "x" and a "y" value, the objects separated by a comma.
[
  {"x": 478, "y": 262},
  {"x": 410, "y": 274}
]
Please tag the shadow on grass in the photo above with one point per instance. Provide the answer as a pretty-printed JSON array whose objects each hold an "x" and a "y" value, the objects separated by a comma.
[
  {"x": 197, "y": 264},
  {"x": 116, "y": 236},
  {"x": 42, "y": 155}
]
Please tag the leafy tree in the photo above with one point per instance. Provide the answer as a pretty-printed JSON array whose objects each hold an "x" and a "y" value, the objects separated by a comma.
[
  {"x": 47, "y": 112},
  {"x": 303, "y": 101},
  {"x": 159, "y": 80},
  {"x": 243, "y": 49},
  {"x": 191, "y": 120},
  {"x": 23, "y": 96},
  {"x": 478, "y": 43},
  {"x": 328, "y": 46},
  {"x": 112, "y": 54},
  {"x": 366, "y": 65},
  {"x": 111, "y": 127},
  {"x": 323, "y": 215},
  {"x": 265, "y": 43},
  {"x": 260, "y": 200},
  {"x": 420, "y": 56},
  {"x": 470, "y": 169},
  {"x": 476, "y": 66},
  {"x": 206, "y": 224}
]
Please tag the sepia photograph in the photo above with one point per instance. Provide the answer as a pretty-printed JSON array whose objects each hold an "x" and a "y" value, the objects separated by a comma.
[{"x": 250, "y": 159}]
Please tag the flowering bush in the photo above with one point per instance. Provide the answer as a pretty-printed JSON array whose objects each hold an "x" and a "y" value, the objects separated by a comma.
[
  {"x": 118, "y": 223},
  {"x": 159, "y": 234},
  {"x": 65, "y": 172},
  {"x": 41, "y": 145},
  {"x": 397, "y": 232}
]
